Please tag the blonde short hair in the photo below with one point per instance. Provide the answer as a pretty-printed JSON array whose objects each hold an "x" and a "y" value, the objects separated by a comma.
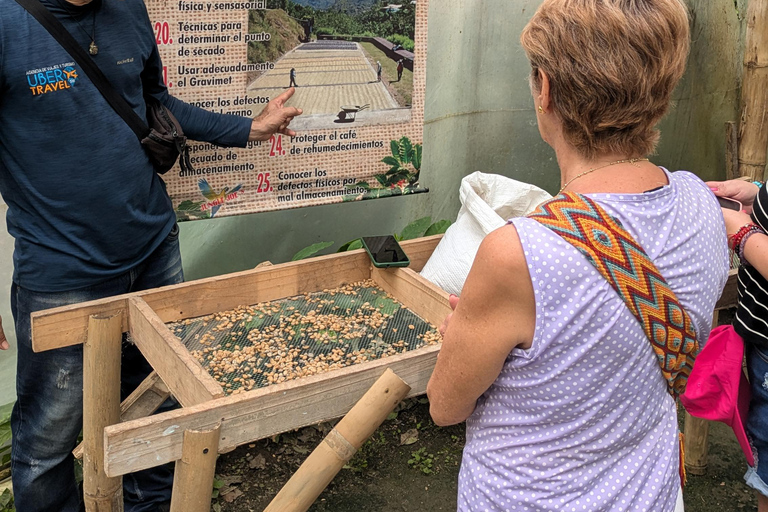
[{"x": 612, "y": 65}]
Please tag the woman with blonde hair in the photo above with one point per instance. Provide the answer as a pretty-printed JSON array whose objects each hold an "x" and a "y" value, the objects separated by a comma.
[{"x": 567, "y": 389}]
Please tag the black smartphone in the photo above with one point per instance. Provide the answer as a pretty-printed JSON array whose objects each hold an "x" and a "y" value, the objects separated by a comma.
[
  {"x": 731, "y": 204},
  {"x": 385, "y": 251}
]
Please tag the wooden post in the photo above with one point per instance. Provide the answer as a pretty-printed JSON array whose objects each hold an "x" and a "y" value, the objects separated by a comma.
[
  {"x": 101, "y": 408},
  {"x": 753, "y": 129},
  {"x": 340, "y": 445},
  {"x": 696, "y": 445},
  {"x": 697, "y": 434},
  {"x": 193, "y": 480}
]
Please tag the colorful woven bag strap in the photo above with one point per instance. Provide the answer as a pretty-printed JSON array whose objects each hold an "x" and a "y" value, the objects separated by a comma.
[{"x": 611, "y": 249}]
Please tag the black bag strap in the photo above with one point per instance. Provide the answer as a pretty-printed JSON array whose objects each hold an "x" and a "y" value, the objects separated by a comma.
[{"x": 65, "y": 39}]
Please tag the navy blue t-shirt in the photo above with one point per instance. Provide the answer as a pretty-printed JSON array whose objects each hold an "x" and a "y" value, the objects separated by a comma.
[{"x": 84, "y": 202}]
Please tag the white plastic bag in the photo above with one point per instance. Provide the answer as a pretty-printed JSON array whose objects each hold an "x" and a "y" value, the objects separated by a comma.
[{"x": 487, "y": 201}]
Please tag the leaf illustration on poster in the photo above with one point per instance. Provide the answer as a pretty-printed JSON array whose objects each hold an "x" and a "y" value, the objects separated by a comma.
[
  {"x": 358, "y": 71},
  {"x": 402, "y": 177}
]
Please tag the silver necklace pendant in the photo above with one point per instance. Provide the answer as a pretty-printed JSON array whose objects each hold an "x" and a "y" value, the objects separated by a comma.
[{"x": 93, "y": 49}]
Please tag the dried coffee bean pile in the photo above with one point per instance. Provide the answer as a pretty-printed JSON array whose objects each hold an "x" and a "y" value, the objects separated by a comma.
[{"x": 272, "y": 342}]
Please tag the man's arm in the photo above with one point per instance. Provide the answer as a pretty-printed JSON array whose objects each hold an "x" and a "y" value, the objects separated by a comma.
[
  {"x": 495, "y": 314},
  {"x": 222, "y": 129}
]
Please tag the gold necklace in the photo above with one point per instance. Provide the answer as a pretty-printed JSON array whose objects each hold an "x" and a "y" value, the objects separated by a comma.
[{"x": 632, "y": 161}]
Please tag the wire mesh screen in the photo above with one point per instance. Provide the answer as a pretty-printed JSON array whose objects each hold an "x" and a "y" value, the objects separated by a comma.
[{"x": 270, "y": 342}]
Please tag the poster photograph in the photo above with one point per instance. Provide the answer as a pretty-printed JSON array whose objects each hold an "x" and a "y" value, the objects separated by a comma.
[{"x": 358, "y": 71}]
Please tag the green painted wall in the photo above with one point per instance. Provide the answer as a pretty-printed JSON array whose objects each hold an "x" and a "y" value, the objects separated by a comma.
[{"x": 479, "y": 116}]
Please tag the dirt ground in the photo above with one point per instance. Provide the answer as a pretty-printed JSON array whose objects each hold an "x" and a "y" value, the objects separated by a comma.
[{"x": 411, "y": 465}]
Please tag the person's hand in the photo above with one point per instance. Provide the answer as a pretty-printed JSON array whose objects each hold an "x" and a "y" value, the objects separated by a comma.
[
  {"x": 453, "y": 301},
  {"x": 734, "y": 220},
  {"x": 275, "y": 118},
  {"x": 3, "y": 340},
  {"x": 742, "y": 191}
]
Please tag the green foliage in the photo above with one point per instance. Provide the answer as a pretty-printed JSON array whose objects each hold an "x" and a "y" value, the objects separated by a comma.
[
  {"x": 415, "y": 229},
  {"x": 217, "y": 484},
  {"x": 423, "y": 227},
  {"x": 360, "y": 461},
  {"x": 6, "y": 497},
  {"x": 285, "y": 34},
  {"x": 404, "y": 165},
  {"x": 311, "y": 250},
  {"x": 404, "y": 41},
  {"x": 438, "y": 228},
  {"x": 5, "y": 436},
  {"x": 6, "y": 501},
  {"x": 351, "y": 245},
  {"x": 353, "y": 18},
  {"x": 190, "y": 210},
  {"x": 326, "y": 31},
  {"x": 422, "y": 461}
]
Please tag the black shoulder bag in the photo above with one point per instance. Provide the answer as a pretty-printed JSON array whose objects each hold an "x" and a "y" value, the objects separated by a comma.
[{"x": 163, "y": 139}]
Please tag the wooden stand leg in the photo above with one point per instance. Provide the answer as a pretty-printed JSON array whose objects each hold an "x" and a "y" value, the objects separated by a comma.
[
  {"x": 697, "y": 434},
  {"x": 696, "y": 445},
  {"x": 340, "y": 445},
  {"x": 193, "y": 481},
  {"x": 144, "y": 401},
  {"x": 101, "y": 408}
]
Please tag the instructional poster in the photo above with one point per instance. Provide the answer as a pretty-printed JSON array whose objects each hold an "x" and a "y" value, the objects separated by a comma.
[{"x": 358, "y": 67}]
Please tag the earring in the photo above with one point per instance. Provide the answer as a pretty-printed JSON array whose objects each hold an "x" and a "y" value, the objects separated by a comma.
[{"x": 541, "y": 110}]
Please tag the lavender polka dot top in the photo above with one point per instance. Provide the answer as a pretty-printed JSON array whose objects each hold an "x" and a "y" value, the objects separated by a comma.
[{"x": 582, "y": 420}]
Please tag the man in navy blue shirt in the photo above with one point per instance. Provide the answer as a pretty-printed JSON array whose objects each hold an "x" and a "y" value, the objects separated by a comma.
[{"x": 89, "y": 215}]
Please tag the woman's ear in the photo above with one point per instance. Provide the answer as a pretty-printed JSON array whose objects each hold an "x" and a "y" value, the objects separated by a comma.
[{"x": 544, "y": 99}]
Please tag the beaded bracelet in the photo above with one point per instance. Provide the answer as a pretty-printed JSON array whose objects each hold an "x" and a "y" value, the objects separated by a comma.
[
  {"x": 759, "y": 184},
  {"x": 739, "y": 240},
  {"x": 735, "y": 240}
]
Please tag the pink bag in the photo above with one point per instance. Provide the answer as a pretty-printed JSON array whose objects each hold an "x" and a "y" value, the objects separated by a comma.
[{"x": 717, "y": 388}]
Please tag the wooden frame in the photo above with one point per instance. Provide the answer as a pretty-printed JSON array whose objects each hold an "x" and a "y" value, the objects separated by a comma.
[
  {"x": 144, "y": 442},
  {"x": 68, "y": 325}
]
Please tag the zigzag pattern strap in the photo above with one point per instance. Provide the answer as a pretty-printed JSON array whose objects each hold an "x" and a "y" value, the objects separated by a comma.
[{"x": 611, "y": 249}]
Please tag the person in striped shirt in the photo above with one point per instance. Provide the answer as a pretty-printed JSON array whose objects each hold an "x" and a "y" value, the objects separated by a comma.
[{"x": 747, "y": 236}]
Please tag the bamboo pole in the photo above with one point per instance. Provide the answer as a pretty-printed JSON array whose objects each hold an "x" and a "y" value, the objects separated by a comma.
[
  {"x": 340, "y": 445},
  {"x": 696, "y": 445},
  {"x": 101, "y": 408},
  {"x": 193, "y": 480},
  {"x": 753, "y": 129},
  {"x": 696, "y": 434}
]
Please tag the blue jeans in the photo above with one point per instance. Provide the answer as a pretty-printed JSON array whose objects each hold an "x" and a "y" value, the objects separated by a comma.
[
  {"x": 48, "y": 414},
  {"x": 757, "y": 418}
]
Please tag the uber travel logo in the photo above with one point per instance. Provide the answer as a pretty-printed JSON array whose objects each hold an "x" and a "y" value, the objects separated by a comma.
[{"x": 52, "y": 78}]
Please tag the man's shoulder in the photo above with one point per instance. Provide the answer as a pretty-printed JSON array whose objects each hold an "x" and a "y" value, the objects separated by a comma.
[
  {"x": 133, "y": 8},
  {"x": 132, "y": 4},
  {"x": 12, "y": 13}
]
